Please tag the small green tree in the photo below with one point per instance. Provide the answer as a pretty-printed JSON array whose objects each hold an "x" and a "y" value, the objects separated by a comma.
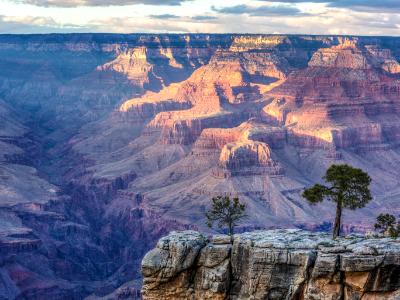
[
  {"x": 386, "y": 224},
  {"x": 347, "y": 186},
  {"x": 226, "y": 212}
]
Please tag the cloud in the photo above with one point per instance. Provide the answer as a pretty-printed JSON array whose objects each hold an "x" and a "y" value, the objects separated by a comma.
[
  {"x": 297, "y": 1},
  {"x": 27, "y": 24},
  {"x": 277, "y": 18},
  {"x": 140, "y": 24},
  {"x": 76, "y": 3},
  {"x": 164, "y": 17},
  {"x": 183, "y": 18},
  {"x": 386, "y": 22},
  {"x": 360, "y": 5},
  {"x": 259, "y": 11},
  {"x": 204, "y": 18},
  {"x": 368, "y": 5}
]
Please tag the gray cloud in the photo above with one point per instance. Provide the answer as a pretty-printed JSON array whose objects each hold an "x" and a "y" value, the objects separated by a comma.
[
  {"x": 361, "y": 5},
  {"x": 297, "y": 1},
  {"x": 76, "y": 3},
  {"x": 164, "y": 17},
  {"x": 184, "y": 18},
  {"x": 259, "y": 11},
  {"x": 187, "y": 18},
  {"x": 368, "y": 5},
  {"x": 204, "y": 18}
]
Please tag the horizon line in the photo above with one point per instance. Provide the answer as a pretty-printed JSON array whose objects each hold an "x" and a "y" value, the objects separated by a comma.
[{"x": 195, "y": 33}]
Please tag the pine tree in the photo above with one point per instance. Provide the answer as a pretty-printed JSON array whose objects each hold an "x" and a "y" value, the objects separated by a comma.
[
  {"x": 226, "y": 213},
  {"x": 386, "y": 224},
  {"x": 348, "y": 187}
]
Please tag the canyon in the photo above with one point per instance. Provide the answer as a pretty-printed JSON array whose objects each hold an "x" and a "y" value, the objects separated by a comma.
[{"x": 108, "y": 142}]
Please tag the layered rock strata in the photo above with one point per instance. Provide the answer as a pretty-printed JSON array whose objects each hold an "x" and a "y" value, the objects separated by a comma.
[
  {"x": 108, "y": 142},
  {"x": 338, "y": 99},
  {"x": 275, "y": 264}
]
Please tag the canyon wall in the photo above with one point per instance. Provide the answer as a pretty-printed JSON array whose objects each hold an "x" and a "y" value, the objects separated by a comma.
[
  {"x": 276, "y": 264},
  {"x": 108, "y": 142}
]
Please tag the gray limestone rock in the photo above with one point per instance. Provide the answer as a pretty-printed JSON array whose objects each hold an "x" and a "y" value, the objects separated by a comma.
[{"x": 274, "y": 264}]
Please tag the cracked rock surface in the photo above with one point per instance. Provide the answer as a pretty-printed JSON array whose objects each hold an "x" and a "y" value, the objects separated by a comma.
[{"x": 274, "y": 264}]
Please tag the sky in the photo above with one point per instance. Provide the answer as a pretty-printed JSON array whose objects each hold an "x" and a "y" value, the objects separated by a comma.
[{"x": 353, "y": 17}]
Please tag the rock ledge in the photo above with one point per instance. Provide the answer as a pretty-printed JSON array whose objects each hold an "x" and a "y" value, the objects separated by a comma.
[{"x": 274, "y": 264}]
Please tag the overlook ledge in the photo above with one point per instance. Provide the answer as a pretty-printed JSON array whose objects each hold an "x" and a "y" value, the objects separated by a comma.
[{"x": 274, "y": 264}]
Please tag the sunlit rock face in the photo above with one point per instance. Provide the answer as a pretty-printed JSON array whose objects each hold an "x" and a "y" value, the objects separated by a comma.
[
  {"x": 340, "y": 98},
  {"x": 215, "y": 93},
  {"x": 108, "y": 142},
  {"x": 276, "y": 264}
]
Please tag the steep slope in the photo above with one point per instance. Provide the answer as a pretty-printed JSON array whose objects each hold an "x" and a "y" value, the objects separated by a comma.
[
  {"x": 54, "y": 243},
  {"x": 24, "y": 221}
]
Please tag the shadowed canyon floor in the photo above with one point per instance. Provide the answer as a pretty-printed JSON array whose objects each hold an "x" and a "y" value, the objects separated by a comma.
[{"x": 108, "y": 142}]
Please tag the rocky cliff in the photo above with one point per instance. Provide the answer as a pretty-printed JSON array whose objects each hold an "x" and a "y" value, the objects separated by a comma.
[{"x": 275, "y": 264}]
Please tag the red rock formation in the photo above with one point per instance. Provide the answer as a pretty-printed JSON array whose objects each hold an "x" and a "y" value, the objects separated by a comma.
[
  {"x": 247, "y": 158},
  {"x": 212, "y": 91},
  {"x": 134, "y": 64},
  {"x": 336, "y": 99}
]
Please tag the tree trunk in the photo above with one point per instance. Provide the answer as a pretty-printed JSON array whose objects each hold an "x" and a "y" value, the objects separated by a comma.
[
  {"x": 230, "y": 269},
  {"x": 231, "y": 232},
  {"x": 336, "y": 227}
]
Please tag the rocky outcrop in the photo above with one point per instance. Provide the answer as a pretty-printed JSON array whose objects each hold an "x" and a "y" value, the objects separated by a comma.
[
  {"x": 243, "y": 150},
  {"x": 275, "y": 264},
  {"x": 334, "y": 102},
  {"x": 133, "y": 63},
  {"x": 210, "y": 95},
  {"x": 247, "y": 158}
]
